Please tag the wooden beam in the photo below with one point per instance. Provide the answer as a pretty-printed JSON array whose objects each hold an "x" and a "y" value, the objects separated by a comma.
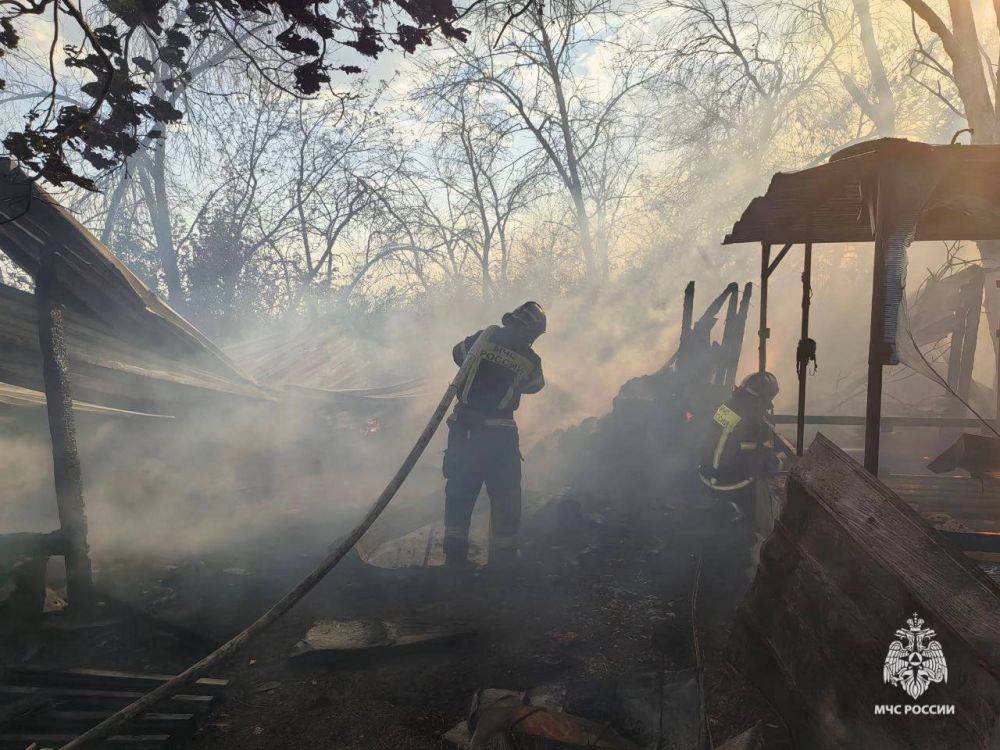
[
  {"x": 762, "y": 331},
  {"x": 847, "y": 564},
  {"x": 99, "y": 679},
  {"x": 762, "y": 501},
  {"x": 887, "y": 422},
  {"x": 876, "y": 353},
  {"x": 972, "y": 311},
  {"x": 62, "y": 429},
  {"x": 996, "y": 382},
  {"x": 800, "y": 433},
  {"x": 781, "y": 256},
  {"x": 687, "y": 315}
]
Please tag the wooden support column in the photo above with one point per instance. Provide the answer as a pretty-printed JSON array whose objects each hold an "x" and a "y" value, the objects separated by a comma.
[
  {"x": 763, "y": 500},
  {"x": 687, "y": 316},
  {"x": 62, "y": 428},
  {"x": 876, "y": 356},
  {"x": 800, "y": 433},
  {"x": 996, "y": 390},
  {"x": 762, "y": 331}
]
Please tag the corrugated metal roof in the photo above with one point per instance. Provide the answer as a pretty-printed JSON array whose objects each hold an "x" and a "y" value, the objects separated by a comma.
[
  {"x": 107, "y": 370},
  {"x": 829, "y": 203},
  {"x": 12, "y": 396},
  {"x": 92, "y": 279}
]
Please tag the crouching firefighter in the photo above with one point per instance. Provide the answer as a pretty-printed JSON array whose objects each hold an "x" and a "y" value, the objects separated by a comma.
[
  {"x": 730, "y": 459},
  {"x": 482, "y": 435}
]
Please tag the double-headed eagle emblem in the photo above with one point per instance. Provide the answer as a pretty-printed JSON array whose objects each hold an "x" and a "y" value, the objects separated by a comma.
[{"x": 914, "y": 660}]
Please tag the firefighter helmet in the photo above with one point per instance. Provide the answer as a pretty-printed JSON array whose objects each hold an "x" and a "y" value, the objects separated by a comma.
[
  {"x": 529, "y": 316},
  {"x": 763, "y": 385}
]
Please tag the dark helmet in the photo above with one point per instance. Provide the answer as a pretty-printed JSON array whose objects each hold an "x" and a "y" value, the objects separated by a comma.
[
  {"x": 530, "y": 316},
  {"x": 763, "y": 386}
]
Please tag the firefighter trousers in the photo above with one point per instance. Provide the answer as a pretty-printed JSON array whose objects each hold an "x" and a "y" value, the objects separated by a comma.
[{"x": 478, "y": 455}]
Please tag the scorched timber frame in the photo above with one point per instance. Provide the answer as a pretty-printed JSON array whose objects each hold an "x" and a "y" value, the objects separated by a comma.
[{"x": 889, "y": 192}]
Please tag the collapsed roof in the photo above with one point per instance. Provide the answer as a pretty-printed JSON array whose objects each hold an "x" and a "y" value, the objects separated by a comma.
[
  {"x": 127, "y": 348},
  {"x": 15, "y": 397},
  {"x": 320, "y": 362},
  {"x": 107, "y": 369},
  {"x": 130, "y": 353},
  {"x": 832, "y": 202},
  {"x": 92, "y": 279}
]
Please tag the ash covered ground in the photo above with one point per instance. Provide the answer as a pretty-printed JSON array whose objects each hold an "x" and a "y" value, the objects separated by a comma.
[{"x": 603, "y": 596}]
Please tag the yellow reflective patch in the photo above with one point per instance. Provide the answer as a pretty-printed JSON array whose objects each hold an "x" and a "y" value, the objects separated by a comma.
[{"x": 726, "y": 418}]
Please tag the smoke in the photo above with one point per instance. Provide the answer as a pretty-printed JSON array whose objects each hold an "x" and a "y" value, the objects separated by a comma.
[
  {"x": 230, "y": 474},
  {"x": 227, "y": 475}
]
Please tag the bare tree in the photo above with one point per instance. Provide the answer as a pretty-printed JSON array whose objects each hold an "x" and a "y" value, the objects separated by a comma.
[
  {"x": 971, "y": 72},
  {"x": 535, "y": 66},
  {"x": 874, "y": 97},
  {"x": 474, "y": 160}
]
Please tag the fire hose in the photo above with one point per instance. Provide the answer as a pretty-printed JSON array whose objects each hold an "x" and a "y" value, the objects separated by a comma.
[{"x": 289, "y": 600}]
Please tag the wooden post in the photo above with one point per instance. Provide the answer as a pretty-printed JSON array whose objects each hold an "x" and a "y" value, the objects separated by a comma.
[
  {"x": 876, "y": 356},
  {"x": 763, "y": 499},
  {"x": 972, "y": 311},
  {"x": 762, "y": 331},
  {"x": 62, "y": 428},
  {"x": 996, "y": 391},
  {"x": 687, "y": 315},
  {"x": 800, "y": 432}
]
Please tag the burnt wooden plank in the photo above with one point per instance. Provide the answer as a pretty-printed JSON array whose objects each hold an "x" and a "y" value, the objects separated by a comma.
[
  {"x": 102, "y": 680},
  {"x": 23, "y": 708},
  {"x": 16, "y": 741},
  {"x": 847, "y": 564},
  {"x": 971, "y": 541},
  {"x": 82, "y": 699},
  {"x": 62, "y": 720}
]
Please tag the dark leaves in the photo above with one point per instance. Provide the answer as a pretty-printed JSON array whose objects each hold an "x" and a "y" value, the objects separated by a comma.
[
  {"x": 368, "y": 42},
  {"x": 9, "y": 37},
  {"x": 198, "y": 13},
  {"x": 309, "y": 77},
  {"x": 163, "y": 111},
  {"x": 177, "y": 38},
  {"x": 291, "y": 41},
  {"x": 107, "y": 37},
  {"x": 122, "y": 104}
]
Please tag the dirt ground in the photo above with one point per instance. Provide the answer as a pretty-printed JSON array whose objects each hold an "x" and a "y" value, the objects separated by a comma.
[{"x": 603, "y": 592}]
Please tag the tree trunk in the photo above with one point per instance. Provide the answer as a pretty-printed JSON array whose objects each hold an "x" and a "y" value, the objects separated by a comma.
[
  {"x": 484, "y": 222},
  {"x": 970, "y": 78},
  {"x": 595, "y": 270},
  {"x": 62, "y": 428},
  {"x": 114, "y": 205},
  {"x": 154, "y": 188},
  {"x": 884, "y": 104}
]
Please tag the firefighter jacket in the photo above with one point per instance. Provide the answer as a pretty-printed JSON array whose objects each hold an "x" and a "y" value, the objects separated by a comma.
[
  {"x": 507, "y": 368},
  {"x": 730, "y": 459}
]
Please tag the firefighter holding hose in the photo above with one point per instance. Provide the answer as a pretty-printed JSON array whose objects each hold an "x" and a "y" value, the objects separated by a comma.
[
  {"x": 483, "y": 446},
  {"x": 730, "y": 459}
]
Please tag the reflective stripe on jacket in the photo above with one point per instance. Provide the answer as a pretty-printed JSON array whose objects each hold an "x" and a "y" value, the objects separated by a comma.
[
  {"x": 729, "y": 457},
  {"x": 507, "y": 368}
]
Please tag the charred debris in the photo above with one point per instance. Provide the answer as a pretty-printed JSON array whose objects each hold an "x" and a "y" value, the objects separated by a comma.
[{"x": 637, "y": 618}]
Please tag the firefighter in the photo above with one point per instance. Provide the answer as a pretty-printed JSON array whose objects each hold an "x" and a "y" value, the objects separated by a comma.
[
  {"x": 730, "y": 458},
  {"x": 482, "y": 435}
]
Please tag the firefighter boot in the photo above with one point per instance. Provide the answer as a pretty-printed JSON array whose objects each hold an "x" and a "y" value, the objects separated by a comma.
[{"x": 456, "y": 551}]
